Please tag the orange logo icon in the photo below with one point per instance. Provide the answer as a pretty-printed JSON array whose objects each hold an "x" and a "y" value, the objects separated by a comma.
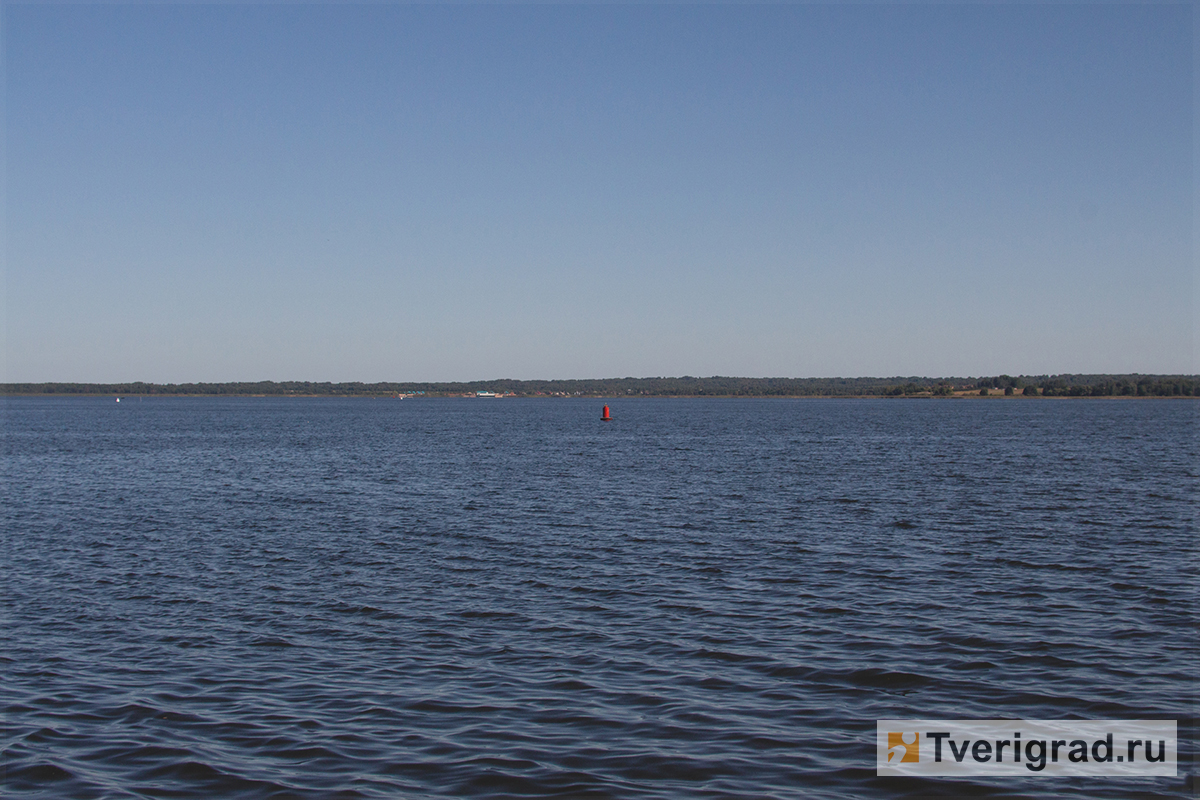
[{"x": 904, "y": 748}]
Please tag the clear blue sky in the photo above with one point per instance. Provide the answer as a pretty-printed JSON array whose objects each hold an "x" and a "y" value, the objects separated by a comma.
[{"x": 395, "y": 192}]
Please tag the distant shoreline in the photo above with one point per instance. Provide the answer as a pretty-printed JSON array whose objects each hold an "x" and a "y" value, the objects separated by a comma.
[
  {"x": 847, "y": 397},
  {"x": 1129, "y": 385}
]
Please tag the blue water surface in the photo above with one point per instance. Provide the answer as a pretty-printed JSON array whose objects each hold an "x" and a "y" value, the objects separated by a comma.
[{"x": 354, "y": 598}]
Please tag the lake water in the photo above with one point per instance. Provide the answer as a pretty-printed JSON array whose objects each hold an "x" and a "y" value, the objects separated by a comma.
[{"x": 335, "y": 598}]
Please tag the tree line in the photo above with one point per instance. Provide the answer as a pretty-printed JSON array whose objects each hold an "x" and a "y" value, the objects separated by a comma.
[
  {"x": 1097, "y": 385},
  {"x": 1132, "y": 385}
]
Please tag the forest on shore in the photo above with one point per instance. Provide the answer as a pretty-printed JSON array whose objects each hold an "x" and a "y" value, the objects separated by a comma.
[{"x": 1132, "y": 385}]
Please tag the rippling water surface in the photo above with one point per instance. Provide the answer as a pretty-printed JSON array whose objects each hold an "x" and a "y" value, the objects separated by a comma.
[{"x": 507, "y": 598}]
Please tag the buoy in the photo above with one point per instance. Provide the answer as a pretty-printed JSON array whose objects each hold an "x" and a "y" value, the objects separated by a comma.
[{"x": 605, "y": 417}]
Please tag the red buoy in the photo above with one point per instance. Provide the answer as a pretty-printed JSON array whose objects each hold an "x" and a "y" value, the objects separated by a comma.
[{"x": 605, "y": 417}]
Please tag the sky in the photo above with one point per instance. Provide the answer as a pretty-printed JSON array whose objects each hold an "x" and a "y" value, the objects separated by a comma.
[{"x": 393, "y": 192}]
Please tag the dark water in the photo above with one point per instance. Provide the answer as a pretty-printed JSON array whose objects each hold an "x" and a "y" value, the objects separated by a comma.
[{"x": 504, "y": 598}]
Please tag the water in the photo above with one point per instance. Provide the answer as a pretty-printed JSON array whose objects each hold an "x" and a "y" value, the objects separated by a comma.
[{"x": 320, "y": 598}]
